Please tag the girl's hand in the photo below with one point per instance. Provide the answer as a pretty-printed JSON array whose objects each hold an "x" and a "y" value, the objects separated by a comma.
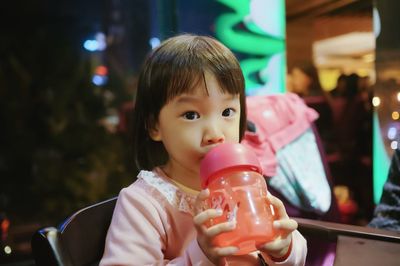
[
  {"x": 205, "y": 235},
  {"x": 279, "y": 247}
]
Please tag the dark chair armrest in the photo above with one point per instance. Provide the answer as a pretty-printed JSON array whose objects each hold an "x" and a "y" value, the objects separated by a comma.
[{"x": 47, "y": 249}]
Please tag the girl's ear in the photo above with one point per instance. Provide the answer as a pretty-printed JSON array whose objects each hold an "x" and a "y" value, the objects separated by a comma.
[{"x": 155, "y": 133}]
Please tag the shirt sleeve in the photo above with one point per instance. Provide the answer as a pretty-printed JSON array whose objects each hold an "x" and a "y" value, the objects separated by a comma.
[
  {"x": 297, "y": 255},
  {"x": 137, "y": 234}
]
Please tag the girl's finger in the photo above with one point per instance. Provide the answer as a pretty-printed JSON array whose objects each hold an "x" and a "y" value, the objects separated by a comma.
[
  {"x": 203, "y": 195},
  {"x": 206, "y": 215},
  {"x": 220, "y": 228},
  {"x": 285, "y": 227},
  {"x": 225, "y": 251},
  {"x": 285, "y": 224},
  {"x": 277, "y": 244},
  {"x": 278, "y": 206}
]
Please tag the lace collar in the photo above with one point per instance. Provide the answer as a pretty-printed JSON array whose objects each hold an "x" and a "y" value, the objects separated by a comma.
[{"x": 175, "y": 196}]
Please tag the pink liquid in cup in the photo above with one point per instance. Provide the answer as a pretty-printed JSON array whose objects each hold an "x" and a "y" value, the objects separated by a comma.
[{"x": 232, "y": 173}]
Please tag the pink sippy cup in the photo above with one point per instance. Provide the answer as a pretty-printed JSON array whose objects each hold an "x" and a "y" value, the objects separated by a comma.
[{"x": 232, "y": 173}]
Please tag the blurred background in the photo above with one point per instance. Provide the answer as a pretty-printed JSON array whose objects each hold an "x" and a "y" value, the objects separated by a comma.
[{"x": 68, "y": 72}]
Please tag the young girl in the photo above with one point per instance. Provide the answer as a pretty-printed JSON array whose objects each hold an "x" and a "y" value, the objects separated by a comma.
[{"x": 190, "y": 98}]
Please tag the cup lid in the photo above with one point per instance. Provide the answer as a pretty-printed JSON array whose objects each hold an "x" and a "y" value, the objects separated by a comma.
[{"x": 227, "y": 155}]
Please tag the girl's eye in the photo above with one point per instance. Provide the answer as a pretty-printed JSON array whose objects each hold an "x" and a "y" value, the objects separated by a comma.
[
  {"x": 191, "y": 115},
  {"x": 228, "y": 112}
]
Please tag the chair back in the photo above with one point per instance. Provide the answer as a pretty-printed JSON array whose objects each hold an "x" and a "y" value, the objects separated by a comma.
[{"x": 79, "y": 240}]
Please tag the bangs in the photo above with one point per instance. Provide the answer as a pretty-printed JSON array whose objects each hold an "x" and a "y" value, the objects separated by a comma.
[
  {"x": 186, "y": 68},
  {"x": 185, "y": 82}
]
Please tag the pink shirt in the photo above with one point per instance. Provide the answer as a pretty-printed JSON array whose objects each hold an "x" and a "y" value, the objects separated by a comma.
[{"x": 152, "y": 224}]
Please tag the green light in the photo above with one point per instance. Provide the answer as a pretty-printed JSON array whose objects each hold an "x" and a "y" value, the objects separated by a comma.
[
  {"x": 250, "y": 66},
  {"x": 253, "y": 42},
  {"x": 381, "y": 161},
  {"x": 246, "y": 42}
]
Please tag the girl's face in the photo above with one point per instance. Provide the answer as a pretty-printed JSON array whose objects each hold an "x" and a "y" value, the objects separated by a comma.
[{"x": 191, "y": 124}]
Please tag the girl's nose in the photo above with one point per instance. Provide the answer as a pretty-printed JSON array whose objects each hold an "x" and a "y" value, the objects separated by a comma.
[{"x": 213, "y": 136}]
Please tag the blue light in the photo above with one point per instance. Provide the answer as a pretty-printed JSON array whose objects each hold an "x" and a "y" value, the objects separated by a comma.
[
  {"x": 154, "y": 42},
  {"x": 91, "y": 45},
  {"x": 99, "y": 80},
  {"x": 392, "y": 132},
  {"x": 101, "y": 41},
  {"x": 97, "y": 44},
  {"x": 376, "y": 21}
]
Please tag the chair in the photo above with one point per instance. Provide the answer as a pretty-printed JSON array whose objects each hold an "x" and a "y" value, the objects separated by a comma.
[{"x": 79, "y": 240}]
